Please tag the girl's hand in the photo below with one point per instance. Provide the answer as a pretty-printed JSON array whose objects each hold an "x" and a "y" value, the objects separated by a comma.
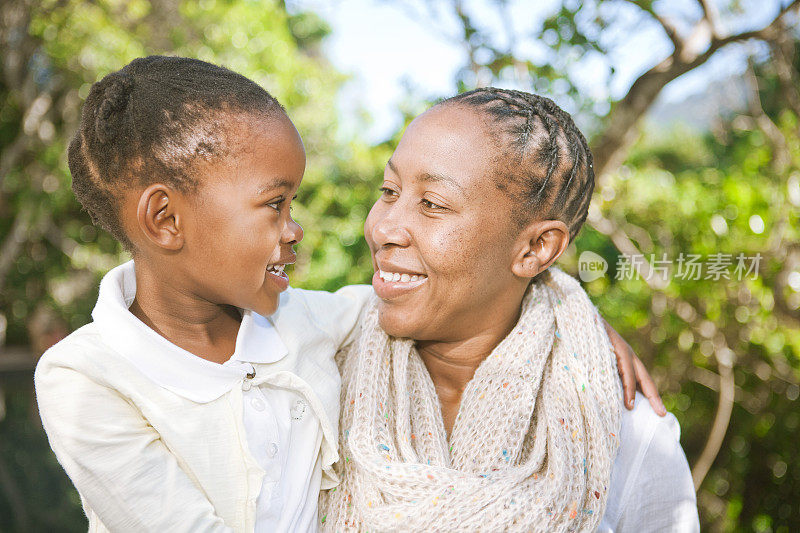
[{"x": 633, "y": 373}]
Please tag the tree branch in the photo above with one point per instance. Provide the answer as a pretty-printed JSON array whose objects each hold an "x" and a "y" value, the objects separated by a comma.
[
  {"x": 711, "y": 16},
  {"x": 668, "y": 27},
  {"x": 611, "y": 146},
  {"x": 721, "y": 421}
]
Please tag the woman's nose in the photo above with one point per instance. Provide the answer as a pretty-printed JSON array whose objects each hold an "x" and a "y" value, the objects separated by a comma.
[
  {"x": 389, "y": 228},
  {"x": 292, "y": 232}
]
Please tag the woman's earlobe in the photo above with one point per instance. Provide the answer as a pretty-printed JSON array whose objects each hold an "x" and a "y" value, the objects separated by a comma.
[
  {"x": 158, "y": 218},
  {"x": 545, "y": 242}
]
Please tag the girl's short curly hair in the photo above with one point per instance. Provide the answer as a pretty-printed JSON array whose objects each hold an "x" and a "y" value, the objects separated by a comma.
[{"x": 154, "y": 121}]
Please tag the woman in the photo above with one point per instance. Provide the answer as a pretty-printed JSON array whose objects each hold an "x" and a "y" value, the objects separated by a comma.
[{"x": 482, "y": 393}]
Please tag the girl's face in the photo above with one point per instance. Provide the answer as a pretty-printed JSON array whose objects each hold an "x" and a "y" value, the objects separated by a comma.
[
  {"x": 444, "y": 228},
  {"x": 239, "y": 230}
]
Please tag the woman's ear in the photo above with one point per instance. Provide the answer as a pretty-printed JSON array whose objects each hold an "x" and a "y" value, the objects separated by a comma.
[
  {"x": 539, "y": 245},
  {"x": 158, "y": 217}
]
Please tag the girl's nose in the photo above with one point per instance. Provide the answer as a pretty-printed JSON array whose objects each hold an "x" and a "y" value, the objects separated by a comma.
[{"x": 292, "y": 232}]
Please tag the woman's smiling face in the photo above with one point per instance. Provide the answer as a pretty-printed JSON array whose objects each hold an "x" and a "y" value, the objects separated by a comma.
[{"x": 444, "y": 228}]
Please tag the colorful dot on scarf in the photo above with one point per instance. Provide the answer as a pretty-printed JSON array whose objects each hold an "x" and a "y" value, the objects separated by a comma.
[
  {"x": 597, "y": 495},
  {"x": 430, "y": 476},
  {"x": 323, "y": 518},
  {"x": 566, "y": 367},
  {"x": 383, "y": 447}
]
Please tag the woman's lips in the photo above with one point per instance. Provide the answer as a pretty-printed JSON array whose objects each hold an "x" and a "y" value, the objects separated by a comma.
[{"x": 387, "y": 288}]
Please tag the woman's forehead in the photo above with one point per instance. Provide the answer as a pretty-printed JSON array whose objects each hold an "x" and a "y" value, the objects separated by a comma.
[{"x": 447, "y": 143}]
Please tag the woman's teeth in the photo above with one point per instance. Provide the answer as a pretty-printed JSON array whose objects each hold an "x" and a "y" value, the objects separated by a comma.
[
  {"x": 276, "y": 269},
  {"x": 402, "y": 278}
]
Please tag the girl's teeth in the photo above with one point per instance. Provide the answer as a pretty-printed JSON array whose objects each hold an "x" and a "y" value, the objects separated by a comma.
[
  {"x": 414, "y": 278},
  {"x": 404, "y": 278}
]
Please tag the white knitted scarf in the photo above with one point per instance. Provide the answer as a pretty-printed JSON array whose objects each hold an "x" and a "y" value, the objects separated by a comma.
[{"x": 532, "y": 445}]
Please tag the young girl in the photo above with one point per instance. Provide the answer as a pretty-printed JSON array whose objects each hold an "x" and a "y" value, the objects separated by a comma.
[{"x": 181, "y": 407}]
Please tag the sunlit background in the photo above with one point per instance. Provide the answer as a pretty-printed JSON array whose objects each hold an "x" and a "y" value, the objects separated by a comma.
[{"x": 691, "y": 107}]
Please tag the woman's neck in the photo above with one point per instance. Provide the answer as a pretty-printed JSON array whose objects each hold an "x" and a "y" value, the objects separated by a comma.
[
  {"x": 203, "y": 328},
  {"x": 452, "y": 364}
]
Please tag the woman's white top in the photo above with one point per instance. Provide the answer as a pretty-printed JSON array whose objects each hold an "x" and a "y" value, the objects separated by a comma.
[
  {"x": 157, "y": 439},
  {"x": 651, "y": 485}
]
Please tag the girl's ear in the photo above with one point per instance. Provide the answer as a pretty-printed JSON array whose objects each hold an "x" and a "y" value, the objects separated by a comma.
[
  {"x": 158, "y": 217},
  {"x": 539, "y": 245}
]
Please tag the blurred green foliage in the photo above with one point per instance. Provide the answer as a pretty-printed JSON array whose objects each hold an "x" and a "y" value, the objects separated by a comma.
[
  {"x": 705, "y": 194},
  {"x": 679, "y": 191}
]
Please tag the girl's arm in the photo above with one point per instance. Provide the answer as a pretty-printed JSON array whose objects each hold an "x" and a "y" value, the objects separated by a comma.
[
  {"x": 117, "y": 461},
  {"x": 633, "y": 373}
]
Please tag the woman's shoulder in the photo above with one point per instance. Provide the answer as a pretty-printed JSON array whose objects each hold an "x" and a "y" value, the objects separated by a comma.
[
  {"x": 650, "y": 481},
  {"x": 334, "y": 314}
]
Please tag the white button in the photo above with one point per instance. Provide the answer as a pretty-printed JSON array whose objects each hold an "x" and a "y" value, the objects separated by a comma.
[
  {"x": 246, "y": 384},
  {"x": 273, "y": 449},
  {"x": 258, "y": 404}
]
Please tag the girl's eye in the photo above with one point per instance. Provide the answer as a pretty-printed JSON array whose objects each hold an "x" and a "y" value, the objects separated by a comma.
[
  {"x": 430, "y": 205},
  {"x": 276, "y": 203}
]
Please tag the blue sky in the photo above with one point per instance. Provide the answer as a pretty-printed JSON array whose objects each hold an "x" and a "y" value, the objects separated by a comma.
[{"x": 387, "y": 46}]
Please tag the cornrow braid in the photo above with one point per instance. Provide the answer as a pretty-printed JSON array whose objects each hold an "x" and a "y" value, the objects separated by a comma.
[
  {"x": 547, "y": 160},
  {"x": 154, "y": 121}
]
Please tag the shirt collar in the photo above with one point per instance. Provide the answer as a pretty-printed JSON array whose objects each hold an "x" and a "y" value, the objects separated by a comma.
[{"x": 169, "y": 365}]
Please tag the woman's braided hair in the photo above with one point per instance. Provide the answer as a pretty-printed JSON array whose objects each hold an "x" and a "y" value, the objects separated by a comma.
[
  {"x": 547, "y": 165},
  {"x": 154, "y": 121}
]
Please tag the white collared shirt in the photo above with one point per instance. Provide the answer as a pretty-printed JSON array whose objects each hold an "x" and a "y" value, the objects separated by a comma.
[
  {"x": 158, "y": 439},
  {"x": 651, "y": 484}
]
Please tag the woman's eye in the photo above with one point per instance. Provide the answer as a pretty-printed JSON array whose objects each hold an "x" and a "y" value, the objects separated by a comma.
[
  {"x": 386, "y": 192},
  {"x": 430, "y": 205}
]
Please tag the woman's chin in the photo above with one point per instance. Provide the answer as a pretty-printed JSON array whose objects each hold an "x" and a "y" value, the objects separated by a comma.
[{"x": 396, "y": 323}]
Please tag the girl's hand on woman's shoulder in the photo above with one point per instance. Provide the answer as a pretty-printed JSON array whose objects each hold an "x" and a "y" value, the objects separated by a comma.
[{"x": 633, "y": 373}]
